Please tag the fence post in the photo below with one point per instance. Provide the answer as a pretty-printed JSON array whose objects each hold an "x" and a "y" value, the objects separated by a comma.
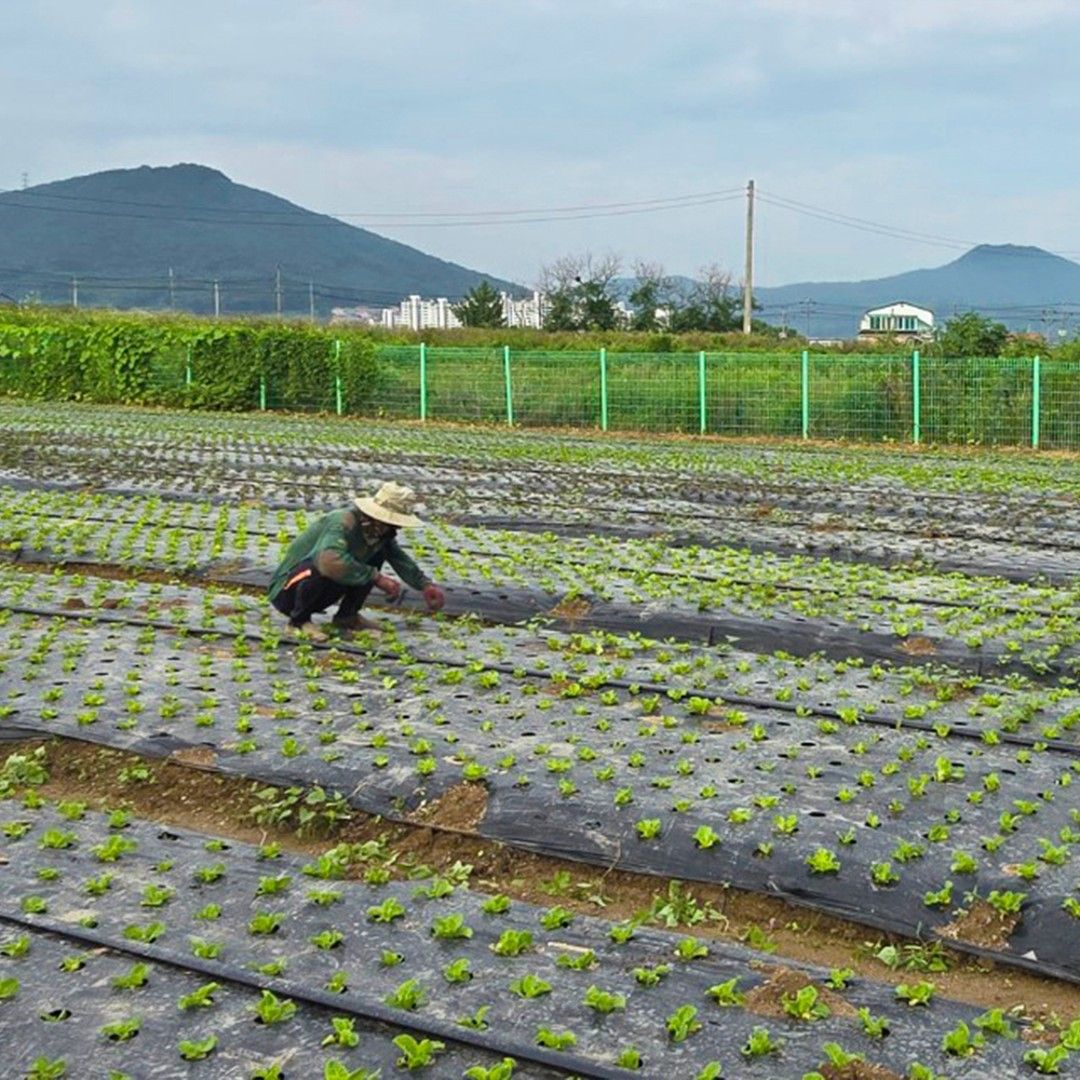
[
  {"x": 805, "y": 394},
  {"x": 423, "y": 381},
  {"x": 916, "y": 399},
  {"x": 338, "y": 402},
  {"x": 262, "y": 392},
  {"x": 702, "y": 416},
  {"x": 1036, "y": 393},
  {"x": 187, "y": 368},
  {"x": 509, "y": 390},
  {"x": 603, "y": 390}
]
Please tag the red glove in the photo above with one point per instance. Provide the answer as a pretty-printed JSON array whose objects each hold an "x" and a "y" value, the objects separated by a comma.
[
  {"x": 434, "y": 596},
  {"x": 390, "y": 586}
]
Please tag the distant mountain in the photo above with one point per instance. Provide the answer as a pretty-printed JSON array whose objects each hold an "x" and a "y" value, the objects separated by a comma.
[
  {"x": 1023, "y": 287},
  {"x": 130, "y": 226}
]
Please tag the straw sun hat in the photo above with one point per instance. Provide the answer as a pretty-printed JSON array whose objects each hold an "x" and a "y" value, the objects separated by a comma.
[{"x": 392, "y": 504}]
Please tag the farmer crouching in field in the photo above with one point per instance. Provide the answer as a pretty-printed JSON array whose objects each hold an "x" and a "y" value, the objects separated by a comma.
[{"x": 337, "y": 559}]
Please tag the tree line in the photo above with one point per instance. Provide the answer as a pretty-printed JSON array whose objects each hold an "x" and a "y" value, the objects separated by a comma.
[{"x": 582, "y": 295}]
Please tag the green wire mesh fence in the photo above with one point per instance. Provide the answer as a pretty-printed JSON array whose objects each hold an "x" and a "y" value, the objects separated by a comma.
[{"x": 1009, "y": 401}]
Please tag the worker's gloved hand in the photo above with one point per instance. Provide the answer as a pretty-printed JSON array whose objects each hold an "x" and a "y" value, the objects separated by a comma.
[
  {"x": 390, "y": 586},
  {"x": 434, "y": 596}
]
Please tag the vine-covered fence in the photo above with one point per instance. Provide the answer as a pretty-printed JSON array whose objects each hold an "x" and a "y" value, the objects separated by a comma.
[{"x": 1014, "y": 401}]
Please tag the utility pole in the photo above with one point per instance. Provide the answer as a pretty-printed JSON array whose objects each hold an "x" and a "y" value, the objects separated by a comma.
[
  {"x": 277, "y": 292},
  {"x": 217, "y": 299},
  {"x": 311, "y": 299},
  {"x": 172, "y": 290},
  {"x": 74, "y": 292},
  {"x": 748, "y": 288}
]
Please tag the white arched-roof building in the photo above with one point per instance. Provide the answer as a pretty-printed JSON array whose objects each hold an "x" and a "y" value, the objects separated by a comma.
[{"x": 900, "y": 320}]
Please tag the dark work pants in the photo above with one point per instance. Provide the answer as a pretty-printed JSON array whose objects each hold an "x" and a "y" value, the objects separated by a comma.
[{"x": 307, "y": 591}]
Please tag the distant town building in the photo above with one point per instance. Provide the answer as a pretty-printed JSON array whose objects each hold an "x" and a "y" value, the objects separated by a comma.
[
  {"x": 624, "y": 314},
  {"x": 899, "y": 320},
  {"x": 361, "y": 316},
  {"x": 528, "y": 312},
  {"x": 416, "y": 313}
]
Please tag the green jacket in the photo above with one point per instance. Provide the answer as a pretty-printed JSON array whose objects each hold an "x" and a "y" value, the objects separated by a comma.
[{"x": 343, "y": 552}]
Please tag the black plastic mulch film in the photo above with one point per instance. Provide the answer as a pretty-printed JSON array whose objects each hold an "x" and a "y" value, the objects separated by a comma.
[
  {"x": 106, "y": 925},
  {"x": 1022, "y": 635},
  {"x": 1016, "y": 535},
  {"x": 69, "y": 1010},
  {"x": 891, "y": 823}
]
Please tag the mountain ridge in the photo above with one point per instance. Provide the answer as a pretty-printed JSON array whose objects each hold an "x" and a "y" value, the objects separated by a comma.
[
  {"x": 123, "y": 229},
  {"x": 128, "y": 227},
  {"x": 1009, "y": 283}
]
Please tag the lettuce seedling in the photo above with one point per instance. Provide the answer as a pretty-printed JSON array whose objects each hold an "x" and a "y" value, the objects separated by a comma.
[
  {"x": 417, "y": 1053},
  {"x": 804, "y": 1004},
  {"x": 759, "y": 1044},
  {"x": 328, "y": 939},
  {"x": 960, "y": 1042},
  {"x": 410, "y": 995},
  {"x": 458, "y": 971},
  {"x": 513, "y": 943},
  {"x": 344, "y": 1033},
  {"x": 477, "y": 1021},
  {"x": 122, "y": 1030},
  {"x": 994, "y": 1022},
  {"x": 726, "y": 994},
  {"x": 876, "y": 1027},
  {"x": 202, "y": 998},
  {"x": 502, "y": 1070},
  {"x": 197, "y": 1050},
  {"x": 1047, "y": 1062},
  {"x": 270, "y": 1009},
  {"x": 450, "y": 927},
  {"x": 823, "y": 861},
  {"x": 602, "y": 1001},
  {"x": 651, "y": 976},
  {"x": 689, "y": 948},
  {"x": 682, "y": 1023},
  {"x": 386, "y": 912},
  {"x": 555, "y": 1040},
  {"x": 45, "y": 1068},
  {"x": 530, "y": 986},
  {"x": 916, "y": 993},
  {"x": 135, "y": 977}
]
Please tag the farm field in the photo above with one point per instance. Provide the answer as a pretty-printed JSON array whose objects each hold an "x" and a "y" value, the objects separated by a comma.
[{"x": 724, "y": 759}]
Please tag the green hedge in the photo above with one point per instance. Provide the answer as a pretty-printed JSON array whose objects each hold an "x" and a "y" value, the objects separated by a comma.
[
  {"x": 133, "y": 360},
  {"x": 249, "y": 364}
]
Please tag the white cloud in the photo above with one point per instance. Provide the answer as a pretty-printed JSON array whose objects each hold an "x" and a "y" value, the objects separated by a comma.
[{"x": 950, "y": 117}]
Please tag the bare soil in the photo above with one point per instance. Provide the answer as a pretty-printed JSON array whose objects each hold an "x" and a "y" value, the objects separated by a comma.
[
  {"x": 858, "y": 1070},
  {"x": 462, "y": 807},
  {"x": 198, "y": 757},
  {"x": 571, "y": 608},
  {"x": 185, "y": 794},
  {"x": 983, "y": 925},
  {"x": 918, "y": 646},
  {"x": 767, "y": 999}
]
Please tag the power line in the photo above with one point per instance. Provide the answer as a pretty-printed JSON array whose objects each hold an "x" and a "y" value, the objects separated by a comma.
[
  {"x": 666, "y": 200},
  {"x": 880, "y": 228},
  {"x": 324, "y": 221},
  {"x": 400, "y": 219}
]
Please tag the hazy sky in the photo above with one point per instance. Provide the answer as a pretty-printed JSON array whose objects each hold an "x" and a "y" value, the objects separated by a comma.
[{"x": 951, "y": 118}]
